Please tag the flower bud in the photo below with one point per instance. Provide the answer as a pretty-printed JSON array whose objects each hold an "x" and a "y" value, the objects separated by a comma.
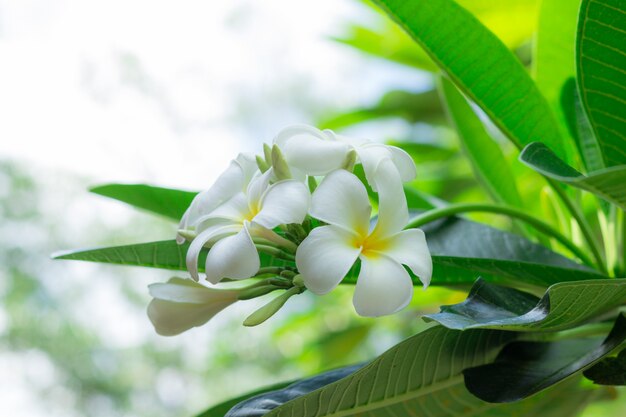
[
  {"x": 263, "y": 166},
  {"x": 271, "y": 308},
  {"x": 281, "y": 169}
]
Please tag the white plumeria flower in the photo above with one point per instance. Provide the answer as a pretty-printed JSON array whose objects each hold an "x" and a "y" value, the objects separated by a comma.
[
  {"x": 315, "y": 152},
  {"x": 235, "y": 179},
  {"x": 181, "y": 304},
  {"x": 228, "y": 228},
  {"x": 329, "y": 252}
]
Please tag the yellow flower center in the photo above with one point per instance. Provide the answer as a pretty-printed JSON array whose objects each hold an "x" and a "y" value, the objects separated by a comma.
[{"x": 371, "y": 245}]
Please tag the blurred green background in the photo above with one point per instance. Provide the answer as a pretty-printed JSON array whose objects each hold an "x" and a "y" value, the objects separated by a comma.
[{"x": 167, "y": 94}]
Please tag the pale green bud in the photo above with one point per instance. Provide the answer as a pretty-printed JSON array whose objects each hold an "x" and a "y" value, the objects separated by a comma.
[
  {"x": 267, "y": 154},
  {"x": 271, "y": 308},
  {"x": 281, "y": 169},
  {"x": 263, "y": 166}
]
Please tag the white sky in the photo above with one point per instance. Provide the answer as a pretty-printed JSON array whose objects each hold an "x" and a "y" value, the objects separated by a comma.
[{"x": 166, "y": 91}]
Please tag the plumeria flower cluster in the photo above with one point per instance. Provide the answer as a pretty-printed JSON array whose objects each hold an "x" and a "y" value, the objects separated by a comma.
[{"x": 297, "y": 218}]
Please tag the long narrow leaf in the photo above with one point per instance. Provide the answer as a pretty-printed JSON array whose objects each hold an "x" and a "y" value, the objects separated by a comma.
[
  {"x": 163, "y": 201},
  {"x": 482, "y": 67},
  {"x": 486, "y": 157}
]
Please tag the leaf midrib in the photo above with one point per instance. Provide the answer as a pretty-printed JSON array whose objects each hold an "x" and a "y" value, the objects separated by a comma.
[{"x": 420, "y": 392}]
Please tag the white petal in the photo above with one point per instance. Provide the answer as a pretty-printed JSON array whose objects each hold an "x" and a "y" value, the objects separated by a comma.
[
  {"x": 249, "y": 168},
  {"x": 235, "y": 179},
  {"x": 393, "y": 213},
  {"x": 297, "y": 130},
  {"x": 314, "y": 156},
  {"x": 325, "y": 257},
  {"x": 409, "y": 248},
  {"x": 257, "y": 187},
  {"x": 181, "y": 290},
  {"x": 383, "y": 287},
  {"x": 233, "y": 257},
  {"x": 283, "y": 203},
  {"x": 404, "y": 163},
  {"x": 341, "y": 200},
  {"x": 206, "y": 237},
  {"x": 370, "y": 156},
  {"x": 236, "y": 209},
  {"x": 181, "y": 304}
]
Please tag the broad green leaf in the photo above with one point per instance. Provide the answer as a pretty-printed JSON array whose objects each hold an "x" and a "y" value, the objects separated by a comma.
[
  {"x": 554, "y": 61},
  {"x": 164, "y": 201},
  {"x": 564, "y": 305},
  {"x": 513, "y": 21},
  {"x": 609, "y": 371},
  {"x": 165, "y": 254},
  {"x": 421, "y": 376},
  {"x": 608, "y": 184},
  {"x": 525, "y": 368},
  {"x": 487, "y": 159},
  {"x": 219, "y": 410},
  {"x": 481, "y": 66},
  {"x": 264, "y": 402},
  {"x": 601, "y": 61},
  {"x": 458, "y": 260},
  {"x": 579, "y": 127}
]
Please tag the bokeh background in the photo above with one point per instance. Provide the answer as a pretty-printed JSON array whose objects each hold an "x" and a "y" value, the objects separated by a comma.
[{"x": 166, "y": 93}]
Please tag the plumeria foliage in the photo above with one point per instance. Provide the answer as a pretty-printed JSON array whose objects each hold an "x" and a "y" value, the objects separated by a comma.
[{"x": 315, "y": 209}]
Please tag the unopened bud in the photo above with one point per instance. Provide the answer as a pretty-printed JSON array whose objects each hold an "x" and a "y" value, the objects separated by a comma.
[
  {"x": 281, "y": 169},
  {"x": 254, "y": 292},
  {"x": 267, "y": 154},
  {"x": 263, "y": 166},
  {"x": 271, "y": 308}
]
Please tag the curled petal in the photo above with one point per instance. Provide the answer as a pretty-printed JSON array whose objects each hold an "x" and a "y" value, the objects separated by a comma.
[
  {"x": 341, "y": 200},
  {"x": 283, "y": 203},
  {"x": 235, "y": 179},
  {"x": 409, "y": 248},
  {"x": 206, "y": 237},
  {"x": 257, "y": 187},
  {"x": 181, "y": 304},
  {"x": 383, "y": 287},
  {"x": 393, "y": 213},
  {"x": 370, "y": 156},
  {"x": 298, "y": 130},
  {"x": 403, "y": 162},
  {"x": 325, "y": 257},
  {"x": 314, "y": 154},
  {"x": 235, "y": 209},
  {"x": 233, "y": 257}
]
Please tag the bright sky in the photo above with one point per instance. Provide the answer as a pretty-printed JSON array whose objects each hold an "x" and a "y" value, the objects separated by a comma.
[{"x": 167, "y": 91}]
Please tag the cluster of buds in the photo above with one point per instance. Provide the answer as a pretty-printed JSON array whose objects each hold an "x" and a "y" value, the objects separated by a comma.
[{"x": 300, "y": 206}]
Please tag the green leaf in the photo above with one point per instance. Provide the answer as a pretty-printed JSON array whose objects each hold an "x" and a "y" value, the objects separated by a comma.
[
  {"x": 164, "y": 201},
  {"x": 263, "y": 403},
  {"x": 165, "y": 254},
  {"x": 501, "y": 257},
  {"x": 564, "y": 305},
  {"x": 601, "y": 61},
  {"x": 488, "y": 161},
  {"x": 481, "y": 66},
  {"x": 579, "y": 127},
  {"x": 609, "y": 184},
  {"x": 418, "y": 376},
  {"x": 525, "y": 368},
  {"x": 554, "y": 61},
  {"x": 219, "y": 410},
  {"x": 609, "y": 371}
]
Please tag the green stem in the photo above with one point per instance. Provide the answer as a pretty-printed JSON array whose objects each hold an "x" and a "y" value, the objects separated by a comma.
[
  {"x": 584, "y": 225},
  {"x": 545, "y": 228},
  {"x": 275, "y": 252}
]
